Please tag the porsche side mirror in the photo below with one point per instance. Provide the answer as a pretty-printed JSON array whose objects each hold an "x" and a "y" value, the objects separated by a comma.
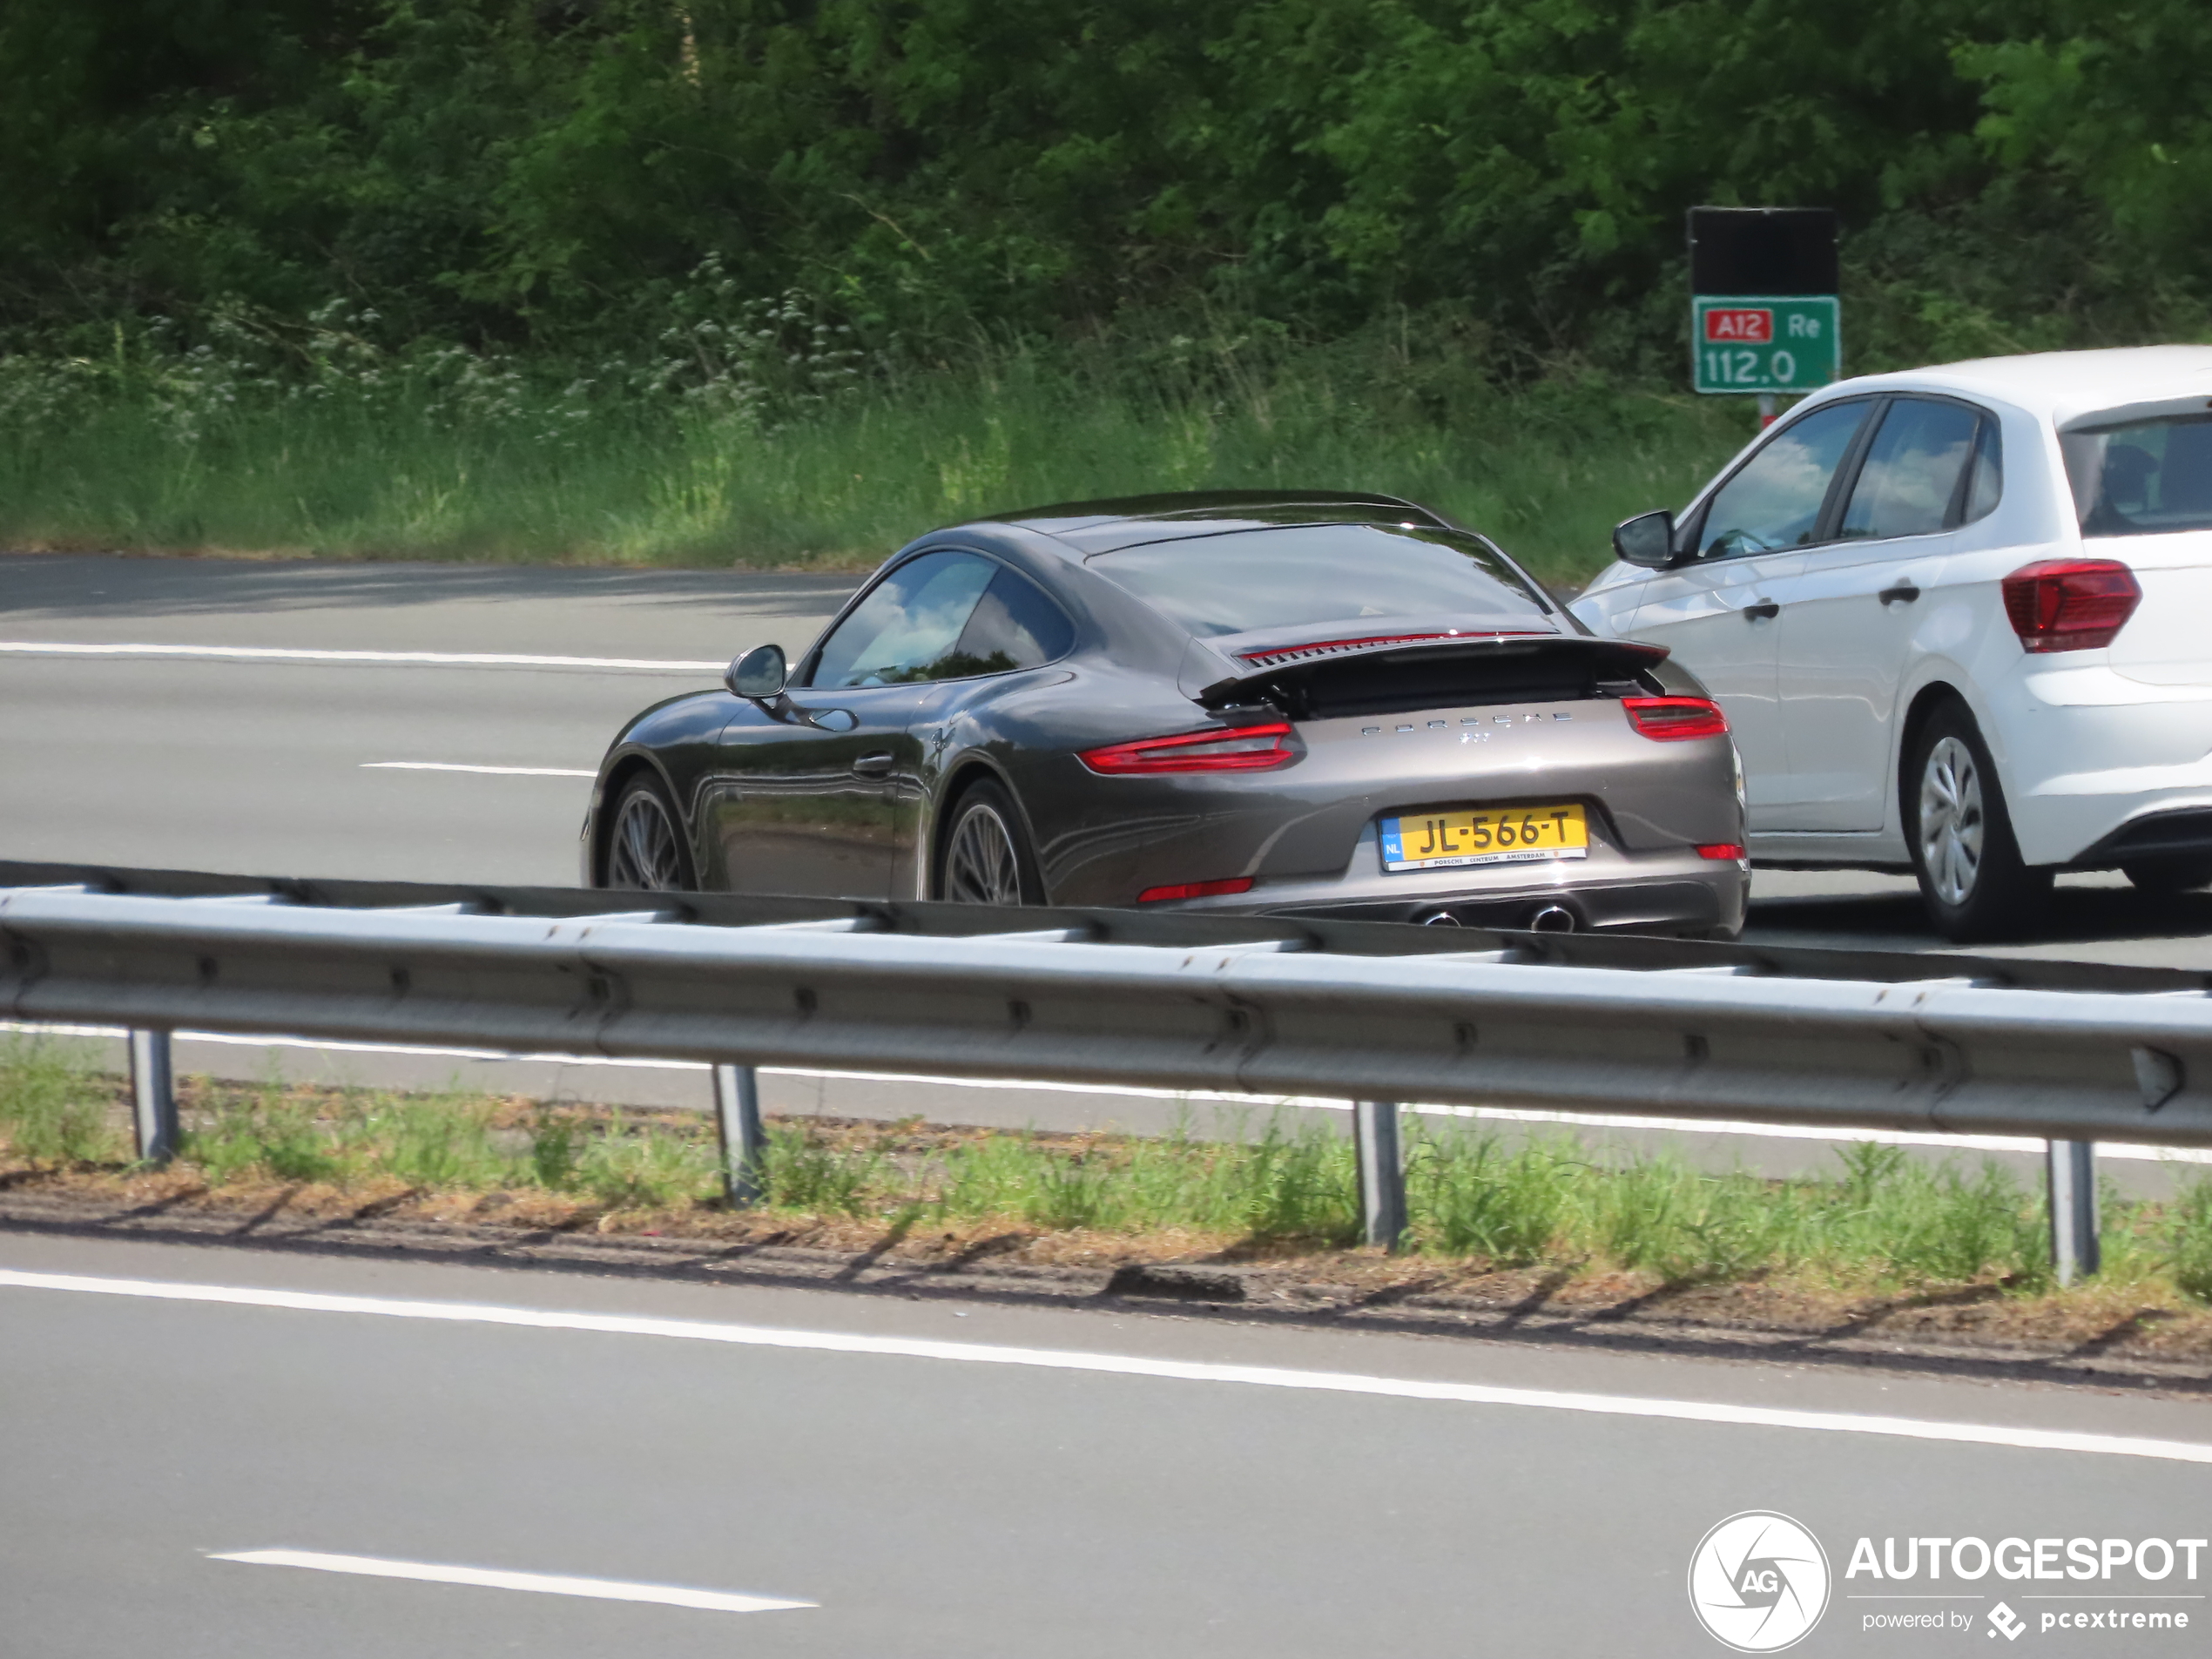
[
  {"x": 1648, "y": 539},
  {"x": 759, "y": 673}
]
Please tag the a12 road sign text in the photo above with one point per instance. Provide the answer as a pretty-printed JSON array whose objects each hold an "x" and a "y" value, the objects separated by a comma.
[{"x": 1743, "y": 343}]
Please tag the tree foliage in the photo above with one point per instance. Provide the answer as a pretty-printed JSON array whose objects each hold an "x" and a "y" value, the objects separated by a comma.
[{"x": 2009, "y": 171}]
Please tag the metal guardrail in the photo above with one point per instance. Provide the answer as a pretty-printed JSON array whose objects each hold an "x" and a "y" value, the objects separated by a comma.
[{"x": 1266, "y": 1006}]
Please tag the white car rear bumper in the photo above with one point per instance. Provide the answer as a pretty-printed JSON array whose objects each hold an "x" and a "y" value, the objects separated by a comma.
[{"x": 2088, "y": 754}]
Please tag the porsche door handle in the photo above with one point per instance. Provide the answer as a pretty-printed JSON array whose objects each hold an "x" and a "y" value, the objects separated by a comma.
[
  {"x": 872, "y": 765},
  {"x": 1761, "y": 610},
  {"x": 1904, "y": 593}
]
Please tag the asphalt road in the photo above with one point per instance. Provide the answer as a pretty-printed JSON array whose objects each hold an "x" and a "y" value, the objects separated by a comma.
[
  {"x": 335, "y": 766},
  {"x": 262, "y": 766},
  {"x": 995, "y": 1497},
  {"x": 258, "y": 765}
]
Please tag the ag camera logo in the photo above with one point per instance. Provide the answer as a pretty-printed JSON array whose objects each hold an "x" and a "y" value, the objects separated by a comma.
[{"x": 1758, "y": 1581}]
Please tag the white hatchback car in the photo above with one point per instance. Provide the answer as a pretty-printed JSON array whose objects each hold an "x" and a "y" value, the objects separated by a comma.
[{"x": 1961, "y": 620}]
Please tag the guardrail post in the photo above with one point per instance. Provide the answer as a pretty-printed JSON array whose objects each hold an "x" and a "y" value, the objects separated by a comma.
[
  {"x": 1382, "y": 1171},
  {"x": 2075, "y": 1252},
  {"x": 745, "y": 1143},
  {"x": 153, "y": 1096}
]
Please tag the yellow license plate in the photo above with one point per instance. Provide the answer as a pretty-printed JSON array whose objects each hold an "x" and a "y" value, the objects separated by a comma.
[{"x": 1501, "y": 835}]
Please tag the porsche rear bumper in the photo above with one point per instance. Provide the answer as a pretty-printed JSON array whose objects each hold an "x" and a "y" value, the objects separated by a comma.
[{"x": 1705, "y": 898}]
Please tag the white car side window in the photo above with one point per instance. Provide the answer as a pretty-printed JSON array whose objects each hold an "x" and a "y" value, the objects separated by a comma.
[
  {"x": 1913, "y": 470},
  {"x": 1775, "y": 501},
  {"x": 1987, "y": 485}
]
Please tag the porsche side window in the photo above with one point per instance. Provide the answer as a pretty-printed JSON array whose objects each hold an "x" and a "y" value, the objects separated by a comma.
[
  {"x": 1014, "y": 626},
  {"x": 1775, "y": 501},
  {"x": 908, "y": 624},
  {"x": 1913, "y": 470}
]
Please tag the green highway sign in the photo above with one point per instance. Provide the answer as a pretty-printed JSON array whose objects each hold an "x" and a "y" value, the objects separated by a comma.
[{"x": 1745, "y": 343}]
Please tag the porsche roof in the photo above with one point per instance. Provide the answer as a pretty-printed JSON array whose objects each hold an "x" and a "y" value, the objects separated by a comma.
[{"x": 1102, "y": 526}]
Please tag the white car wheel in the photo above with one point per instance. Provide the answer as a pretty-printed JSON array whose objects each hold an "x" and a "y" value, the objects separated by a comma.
[
  {"x": 1973, "y": 879},
  {"x": 1952, "y": 822}
]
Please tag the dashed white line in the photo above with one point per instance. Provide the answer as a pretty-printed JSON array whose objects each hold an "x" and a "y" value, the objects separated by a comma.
[
  {"x": 605, "y": 1590},
  {"x": 388, "y": 658},
  {"x": 455, "y": 765},
  {"x": 1335, "y": 1382}
]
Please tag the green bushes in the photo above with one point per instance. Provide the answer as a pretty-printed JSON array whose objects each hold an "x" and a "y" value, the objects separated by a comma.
[
  {"x": 482, "y": 171},
  {"x": 744, "y": 281}
]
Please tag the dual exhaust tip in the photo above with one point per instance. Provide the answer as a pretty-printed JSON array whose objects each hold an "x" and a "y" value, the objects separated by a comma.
[{"x": 1552, "y": 918}]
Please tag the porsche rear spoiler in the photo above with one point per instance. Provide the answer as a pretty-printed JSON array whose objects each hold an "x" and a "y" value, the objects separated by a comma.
[{"x": 1343, "y": 670}]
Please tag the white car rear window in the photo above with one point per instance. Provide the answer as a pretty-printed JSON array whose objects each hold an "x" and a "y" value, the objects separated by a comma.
[{"x": 2145, "y": 478}]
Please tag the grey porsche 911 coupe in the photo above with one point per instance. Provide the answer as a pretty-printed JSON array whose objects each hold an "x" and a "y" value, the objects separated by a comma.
[{"x": 1276, "y": 702}]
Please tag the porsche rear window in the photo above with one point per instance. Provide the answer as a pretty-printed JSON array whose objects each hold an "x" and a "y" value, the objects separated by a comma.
[
  {"x": 1248, "y": 580},
  {"x": 2145, "y": 478}
]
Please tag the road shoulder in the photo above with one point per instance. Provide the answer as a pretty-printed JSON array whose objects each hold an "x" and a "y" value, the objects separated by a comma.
[{"x": 1927, "y": 1337}]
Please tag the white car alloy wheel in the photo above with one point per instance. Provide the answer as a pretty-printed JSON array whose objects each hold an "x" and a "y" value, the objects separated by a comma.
[
  {"x": 1952, "y": 820},
  {"x": 981, "y": 864}
]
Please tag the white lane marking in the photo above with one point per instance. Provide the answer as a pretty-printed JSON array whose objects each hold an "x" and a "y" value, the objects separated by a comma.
[
  {"x": 455, "y": 765},
  {"x": 1689, "y": 1411},
  {"x": 606, "y": 1589},
  {"x": 2026, "y": 1144},
  {"x": 404, "y": 659}
]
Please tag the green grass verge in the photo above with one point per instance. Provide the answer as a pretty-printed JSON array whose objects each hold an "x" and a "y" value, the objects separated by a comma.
[
  {"x": 1884, "y": 1218},
  {"x": 413, "y": 458}
]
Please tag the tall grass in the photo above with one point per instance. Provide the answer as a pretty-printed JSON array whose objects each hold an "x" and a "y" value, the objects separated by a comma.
[
  {"x": 1886, "y": 1213},
  {"x": 2188, "y": 1239},
  {"x": 386, "y": 459},
  {"x": 1288, "y": 1184},
  {"x": 52, "y": 1110}
]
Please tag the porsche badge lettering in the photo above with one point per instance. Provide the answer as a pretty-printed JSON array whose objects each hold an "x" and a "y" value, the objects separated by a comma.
[{"x": 1505, "y": 720}]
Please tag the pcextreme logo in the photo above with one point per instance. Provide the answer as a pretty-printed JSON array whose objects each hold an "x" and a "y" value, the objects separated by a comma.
[{"x": 1758, "y": 1581}]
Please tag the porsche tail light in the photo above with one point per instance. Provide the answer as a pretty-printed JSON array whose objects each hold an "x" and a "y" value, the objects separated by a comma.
[
  {"x": 1196, "y": 890},
  {"x": 1671, "y": 719},
  {"x": 1244, "y": 748},
  {"x": 1721, "y": 850},
  {"x": 2070, "y": 604}
]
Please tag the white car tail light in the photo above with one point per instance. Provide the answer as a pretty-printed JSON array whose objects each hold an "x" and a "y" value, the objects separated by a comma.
[{"x": 2070, "y": 604}]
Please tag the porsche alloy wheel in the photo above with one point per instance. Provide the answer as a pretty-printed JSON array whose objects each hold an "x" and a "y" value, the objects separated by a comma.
[
  {"x": 982, "y": 863},
  {"x": 644, "y": 850}
]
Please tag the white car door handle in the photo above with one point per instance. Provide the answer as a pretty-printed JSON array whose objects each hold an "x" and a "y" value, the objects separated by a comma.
[
  {"x": 1902, "y": 593},
  {"x": 1761, "y": 610}
]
